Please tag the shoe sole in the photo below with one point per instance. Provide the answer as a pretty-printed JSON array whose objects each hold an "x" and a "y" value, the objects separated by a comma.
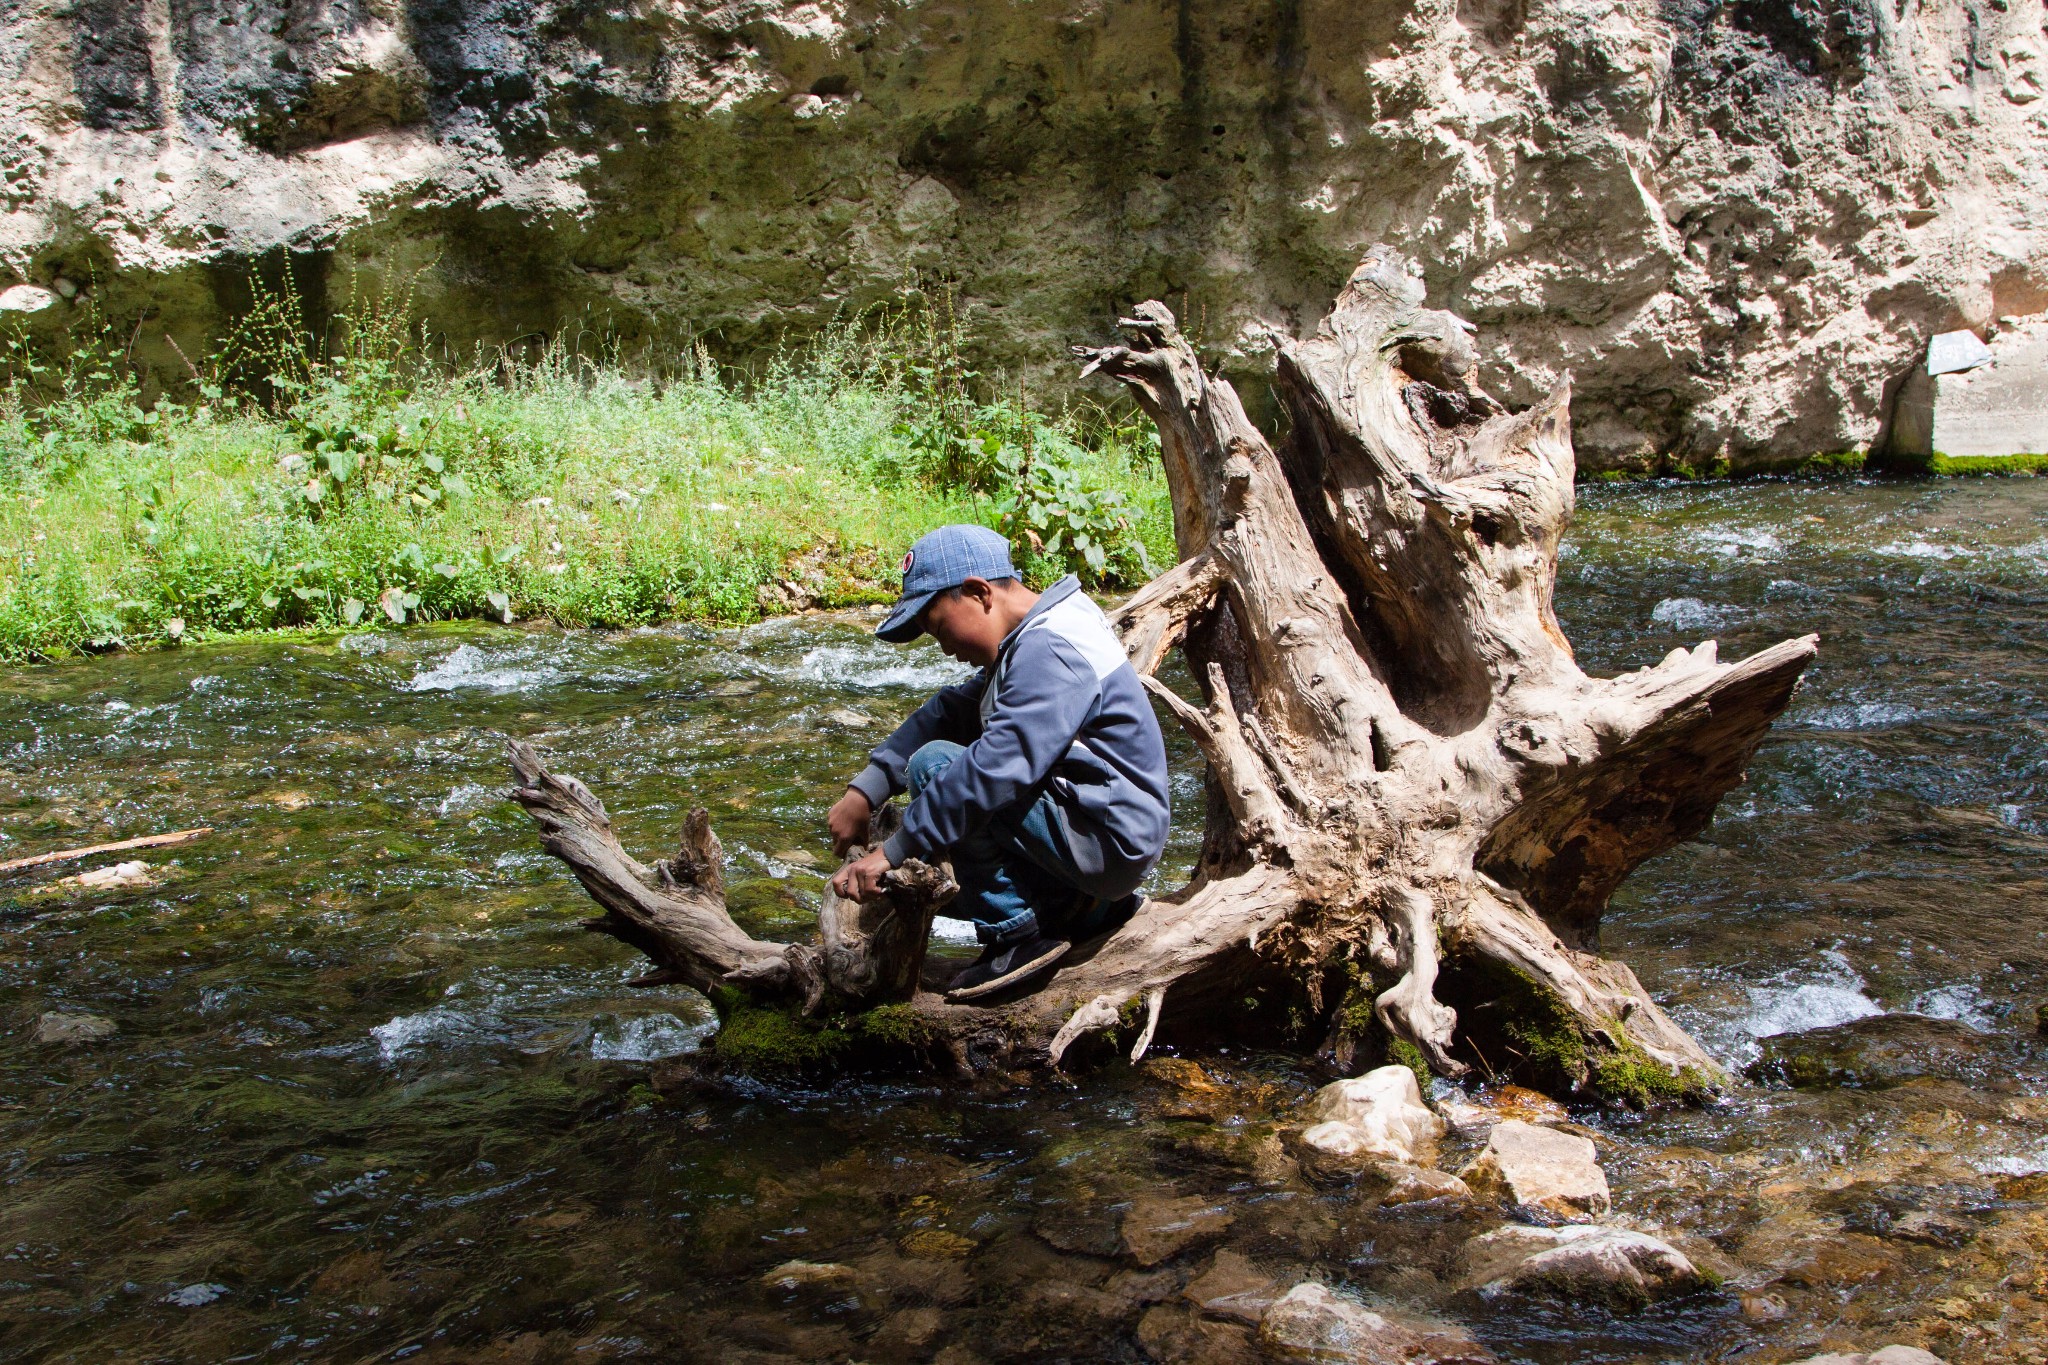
[{"x": 1011, "y": 977}]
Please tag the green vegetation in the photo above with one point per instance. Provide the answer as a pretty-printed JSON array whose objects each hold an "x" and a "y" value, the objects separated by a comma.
[
  {"x": 761, "y": 1040},
  {"x": 1401, "y": 1052},
  {"x": 322, "y": 482},
  {"x": 1939, "y": 463}
]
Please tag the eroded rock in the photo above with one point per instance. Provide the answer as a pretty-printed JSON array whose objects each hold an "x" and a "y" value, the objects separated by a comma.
[
  {"x": 1613, "y": 1265},
  {"x": 1540, "y": 1170},
  {"x": 1379, "y": 1116}
]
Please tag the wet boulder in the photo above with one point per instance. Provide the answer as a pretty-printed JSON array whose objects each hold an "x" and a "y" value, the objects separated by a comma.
[
  {"x": 1612, "y": 1265},
  {"x": 1379, "y": 1116},
  {"x": 1889, "y": 1049},
  {"x": 1541, "y": 1171},
  {"x": 1310, "y": 1323}
]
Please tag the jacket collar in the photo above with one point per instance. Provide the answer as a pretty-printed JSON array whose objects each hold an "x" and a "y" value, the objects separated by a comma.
[{"x": 1050, "y": 598}]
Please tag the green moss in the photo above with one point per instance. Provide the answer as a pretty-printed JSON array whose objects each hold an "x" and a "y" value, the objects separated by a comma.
[
  {"x": 895, "y": 1026},
  {"x": 770, "y": 1042},
  {"x": 1404, "y": 1053},
  {"x": 1545, "y": 1033},
  {"x": 1939, "y": 463},
  {"x": 1628, "y": 1075}
]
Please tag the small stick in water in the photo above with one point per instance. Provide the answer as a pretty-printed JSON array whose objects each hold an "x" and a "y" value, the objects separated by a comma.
[{"x": 147, "y": 841}]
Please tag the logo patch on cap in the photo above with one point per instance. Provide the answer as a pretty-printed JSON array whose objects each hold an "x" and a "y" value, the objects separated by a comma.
[{"x": 909, "y": 556}]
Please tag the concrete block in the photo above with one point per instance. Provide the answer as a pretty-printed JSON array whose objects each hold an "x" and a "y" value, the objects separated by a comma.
[{"x": 1995, "y": 409}]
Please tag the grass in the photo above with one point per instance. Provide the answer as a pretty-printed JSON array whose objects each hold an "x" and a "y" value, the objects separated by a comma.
[{"x": 310, "y": 486}]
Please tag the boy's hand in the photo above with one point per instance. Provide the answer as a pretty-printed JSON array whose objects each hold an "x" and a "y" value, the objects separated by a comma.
[
  {"x": 847, "y": 822},
  {"x": 861, "y": 879}
]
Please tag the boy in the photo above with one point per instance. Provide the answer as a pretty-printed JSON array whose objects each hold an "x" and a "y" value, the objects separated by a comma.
[{"x": 1043, "y": 777}]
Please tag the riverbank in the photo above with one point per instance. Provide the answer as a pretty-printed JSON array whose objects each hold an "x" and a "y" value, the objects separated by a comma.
[{"x": 371, "y": 487}]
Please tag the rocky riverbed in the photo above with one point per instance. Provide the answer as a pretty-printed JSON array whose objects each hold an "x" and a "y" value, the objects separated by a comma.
[{"x": 341, "y": 1080}]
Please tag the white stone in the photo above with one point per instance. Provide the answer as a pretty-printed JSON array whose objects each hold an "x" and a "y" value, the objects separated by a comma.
[
  {"x": 1579, "y": 1261},
  {"x": 1379, "y": 1116},
  {"x": 1996, "y": 408},
  {"x": 1890, "y": 1355},
  {"x": 1541, "y": 1170},
  {"x": 26, "y": 298},
  {"x": 1309, "y": 1323}
]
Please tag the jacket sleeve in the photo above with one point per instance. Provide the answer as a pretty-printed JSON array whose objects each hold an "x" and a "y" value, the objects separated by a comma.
[
  {"x": 1049, "y": 693},
  {"x": 950, "y": 713}
]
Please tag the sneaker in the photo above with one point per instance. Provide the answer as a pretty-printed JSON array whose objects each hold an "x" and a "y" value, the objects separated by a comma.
[{"x": 1006, "y": 964}]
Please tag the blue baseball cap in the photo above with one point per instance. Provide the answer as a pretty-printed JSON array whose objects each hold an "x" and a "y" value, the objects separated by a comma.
[{"x": 943, "y": 559}]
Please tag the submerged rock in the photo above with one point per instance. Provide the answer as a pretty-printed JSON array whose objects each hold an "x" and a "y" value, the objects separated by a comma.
[
  {"x": 1232, "y": 1287},
  {"x": 1539, "y": 1170},
  {"x": 57, "y": 1029},
  {"x": 1889, "y": 1049},
  {"x": 1405, "y": 1184},
  {"x": 1156, "y": 1229},
  {"x": 1310, "y": 1323},
  {"x": 1613, "y": 1265},
  {"x": 1379, "y": 1116}
]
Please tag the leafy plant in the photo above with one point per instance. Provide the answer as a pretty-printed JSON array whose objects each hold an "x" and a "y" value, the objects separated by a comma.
[{"x": 1056, "y": 519}]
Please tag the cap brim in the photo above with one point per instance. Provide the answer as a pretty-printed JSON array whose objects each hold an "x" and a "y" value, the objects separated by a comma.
[{"x": 900, "y": 626}]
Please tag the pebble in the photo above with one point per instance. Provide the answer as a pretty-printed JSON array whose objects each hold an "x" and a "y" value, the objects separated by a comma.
[
  {"x": 59, "y": 1029},
  {"x": 1540, "y": 1171}
]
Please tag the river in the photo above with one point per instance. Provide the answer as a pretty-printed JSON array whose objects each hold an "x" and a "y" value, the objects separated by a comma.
[{"x": 372, "y": 1096}]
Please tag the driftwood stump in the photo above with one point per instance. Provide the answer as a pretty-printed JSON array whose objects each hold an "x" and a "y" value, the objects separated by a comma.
[{"x": 1419, "y": 803}]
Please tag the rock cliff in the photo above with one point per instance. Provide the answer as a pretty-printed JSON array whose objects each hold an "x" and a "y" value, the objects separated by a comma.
[{"x": 1735, "y": 222}]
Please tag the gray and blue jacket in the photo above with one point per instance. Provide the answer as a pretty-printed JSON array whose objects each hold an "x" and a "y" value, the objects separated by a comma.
[{"x": 1060, "y": 711}]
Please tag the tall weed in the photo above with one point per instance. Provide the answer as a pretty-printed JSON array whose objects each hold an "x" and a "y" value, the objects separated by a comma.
[{"x": 321, "y": 482}]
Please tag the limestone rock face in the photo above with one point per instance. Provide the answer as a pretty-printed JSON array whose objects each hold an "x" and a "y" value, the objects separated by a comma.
[
  {"x": 1733, "y": 224},
  {"x": 1541, "y": 1170},
  {"x": 1614, "y": 1265},
  {"x": 1379, "y": 1116}
]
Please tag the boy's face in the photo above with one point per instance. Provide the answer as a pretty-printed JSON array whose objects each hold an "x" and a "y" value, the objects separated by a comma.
[{"x": 970, "y": 624}]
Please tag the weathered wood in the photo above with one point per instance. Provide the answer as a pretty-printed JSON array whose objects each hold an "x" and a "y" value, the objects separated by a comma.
[
  {"x": 1422, "y": 797},
  {"x": 73, "y": 854}
]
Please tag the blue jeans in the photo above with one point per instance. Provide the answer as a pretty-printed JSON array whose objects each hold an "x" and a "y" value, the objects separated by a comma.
[{"x": 1012, "y": 867}]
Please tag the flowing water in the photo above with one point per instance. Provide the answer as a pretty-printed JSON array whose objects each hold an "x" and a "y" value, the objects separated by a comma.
[{"x": 372, "y": 1096}]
